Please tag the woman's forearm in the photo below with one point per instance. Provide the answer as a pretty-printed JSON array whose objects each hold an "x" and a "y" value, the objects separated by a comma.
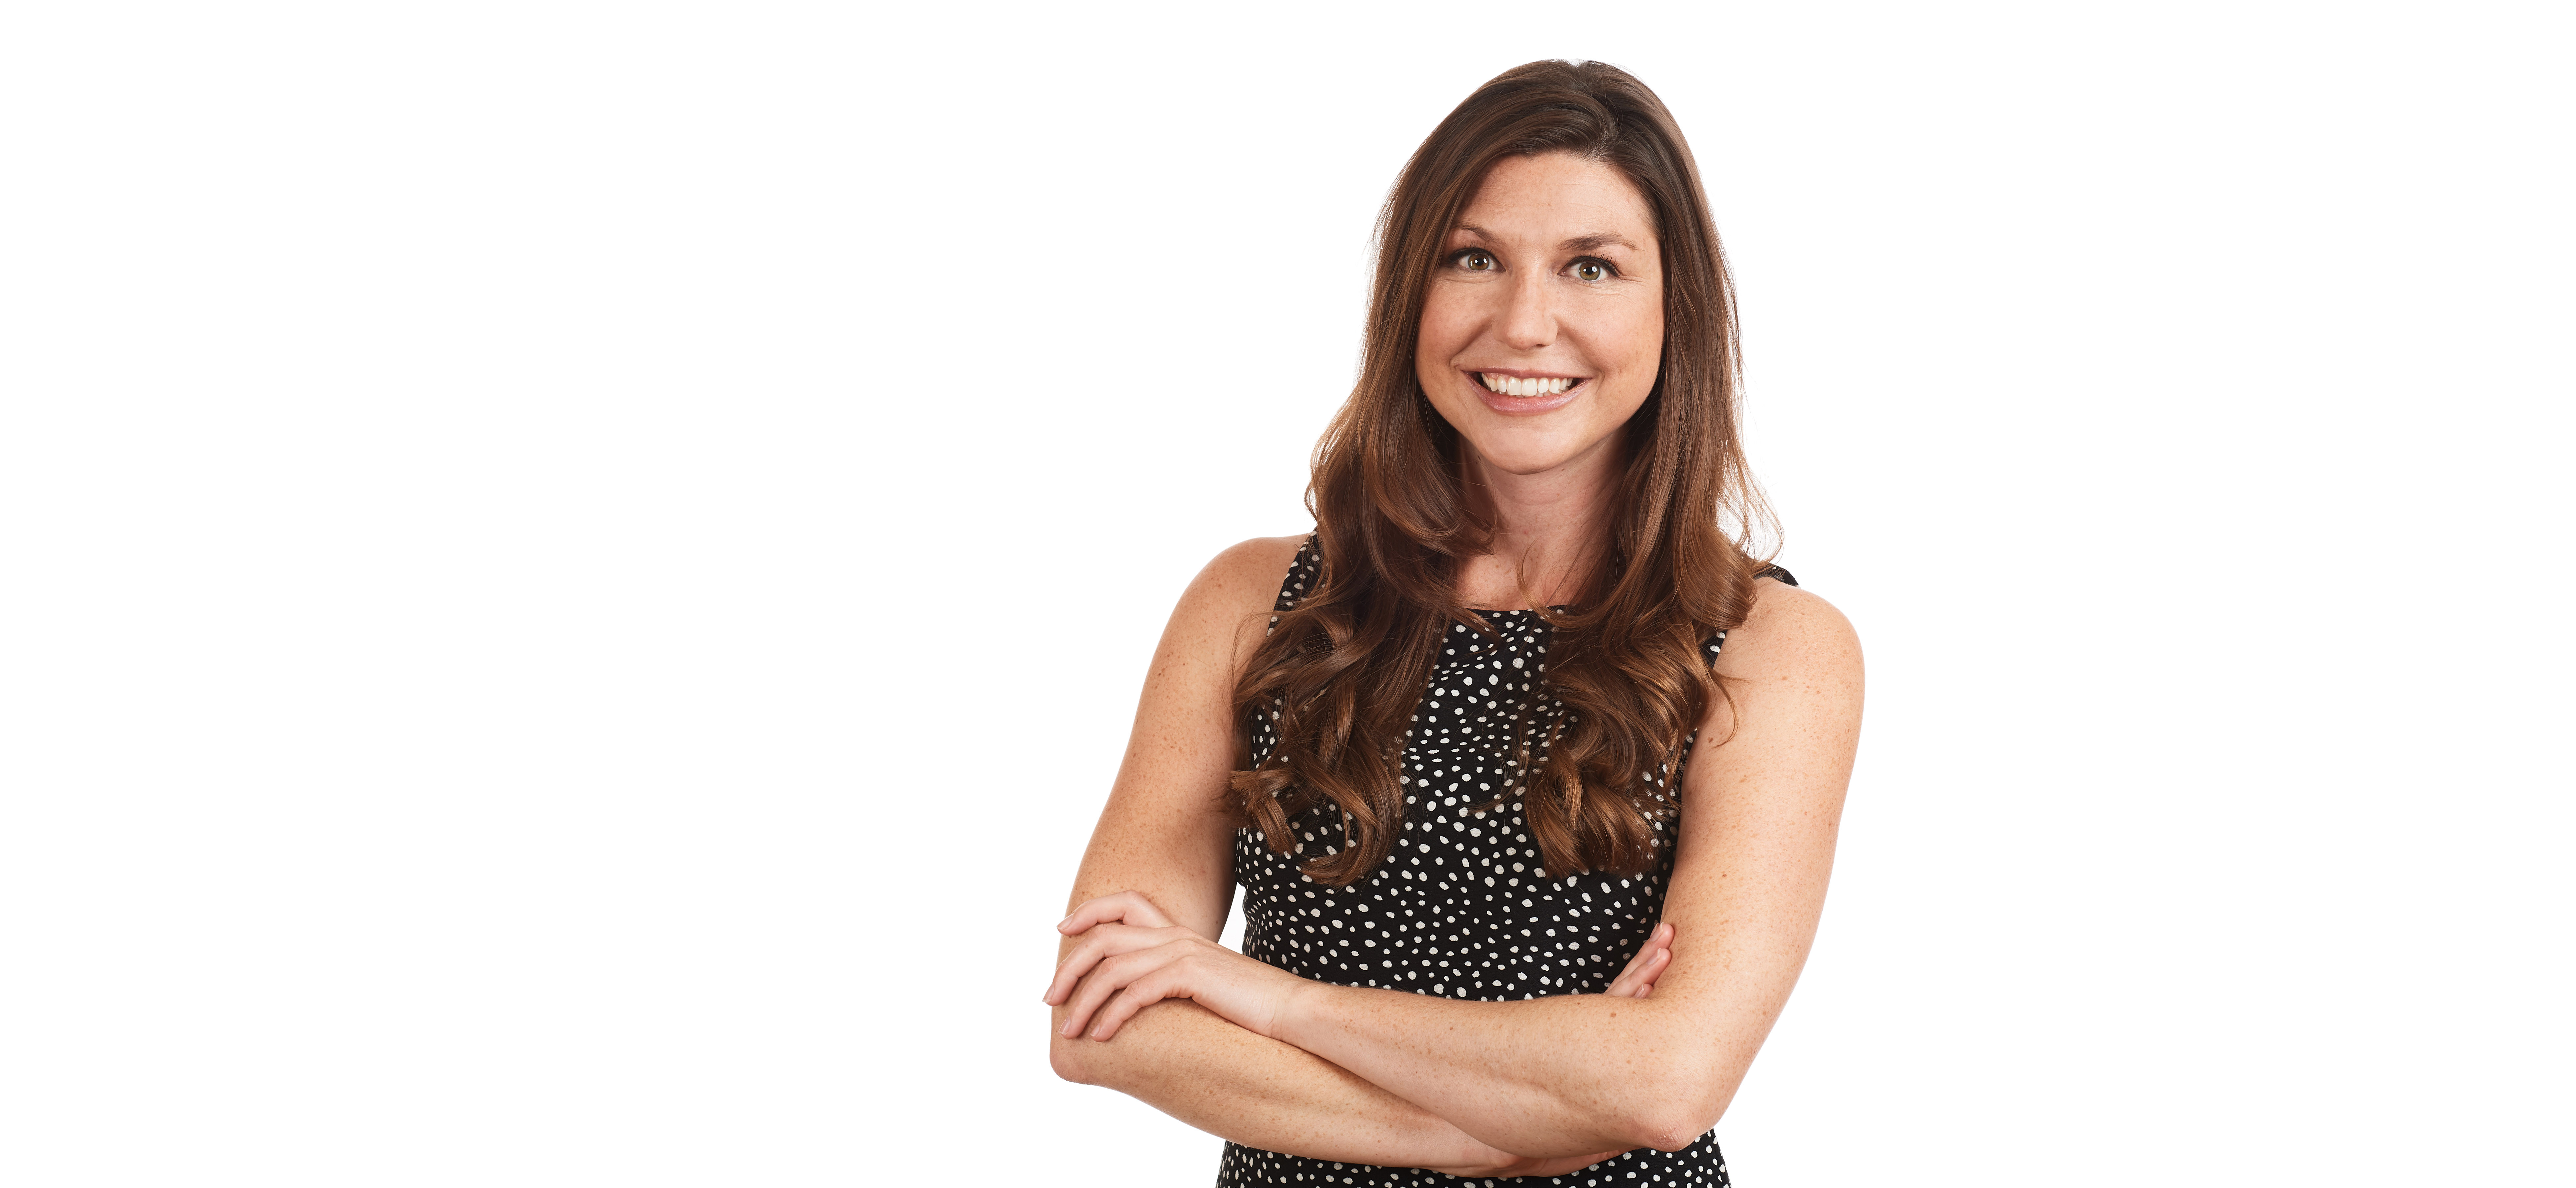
[
  {"x": 1187, "y": 1062},
  {"x": 1540, "y": 1077}
]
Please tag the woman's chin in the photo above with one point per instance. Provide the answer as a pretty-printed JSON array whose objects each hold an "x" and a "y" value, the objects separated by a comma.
[{"x": 1530, "y": 457}]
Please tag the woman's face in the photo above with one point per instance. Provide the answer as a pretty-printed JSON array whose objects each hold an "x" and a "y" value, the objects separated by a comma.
[{"x": 1551, "y": 290}]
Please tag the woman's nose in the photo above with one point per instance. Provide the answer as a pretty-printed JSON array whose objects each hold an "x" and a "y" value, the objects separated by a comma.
[{"x": 1529, "y": 314}]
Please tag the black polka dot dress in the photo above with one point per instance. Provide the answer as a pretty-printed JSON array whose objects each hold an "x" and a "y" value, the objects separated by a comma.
[{"x": 1461, "y": 908}]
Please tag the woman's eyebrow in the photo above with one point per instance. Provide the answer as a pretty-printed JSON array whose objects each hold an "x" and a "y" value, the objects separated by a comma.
[{"x": 1595, "y": 242}]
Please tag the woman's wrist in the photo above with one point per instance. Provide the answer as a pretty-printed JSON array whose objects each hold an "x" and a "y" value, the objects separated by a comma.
[{"x": 1301, "y": 1008}]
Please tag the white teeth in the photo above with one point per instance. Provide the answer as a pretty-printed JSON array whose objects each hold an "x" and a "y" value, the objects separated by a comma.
[{"x": 1511, "y": 386}]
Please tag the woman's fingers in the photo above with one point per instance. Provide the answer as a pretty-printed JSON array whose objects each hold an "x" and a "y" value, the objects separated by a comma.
[
  {"x": 1126, "y": 907},
  {"x": 1657, "y": 961},
  {"x": 1137, "y": 913},
  {"x": 1165, "y": 982},
  {"x": 1251, "y": 994},
  {"x": 1109, "y": 925},
  {"x": 1639, "y": 981},
  {"x": 1106, "y": 979},
  {"x": 1655, "y": 967},
  {"x": 1101, "y": 942},
  {"x": 1639, "y": 976}
]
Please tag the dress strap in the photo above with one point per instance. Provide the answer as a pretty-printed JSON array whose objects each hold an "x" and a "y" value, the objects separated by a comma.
[
  {"x": 1715, "y": 643},
  {"x": 1300, "y": 582}
]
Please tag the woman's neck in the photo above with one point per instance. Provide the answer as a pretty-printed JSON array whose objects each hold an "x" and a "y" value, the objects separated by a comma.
[{"x": 1548, "y": 529}]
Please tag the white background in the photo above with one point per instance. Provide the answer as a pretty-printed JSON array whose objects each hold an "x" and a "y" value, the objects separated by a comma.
[{"x": 572, "y": 577}]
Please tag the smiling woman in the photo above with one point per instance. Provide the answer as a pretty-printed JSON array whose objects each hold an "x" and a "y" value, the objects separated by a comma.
[
  {"x": 1543, "y": 325},
  {"x": 1496, "y": 924}
]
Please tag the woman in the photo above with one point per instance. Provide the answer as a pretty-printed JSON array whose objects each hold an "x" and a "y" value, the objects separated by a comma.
[{"x": 1495, "y": 925}]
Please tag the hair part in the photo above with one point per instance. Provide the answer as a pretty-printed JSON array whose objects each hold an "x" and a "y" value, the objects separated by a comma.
[{"x": 1341, "y": 674}]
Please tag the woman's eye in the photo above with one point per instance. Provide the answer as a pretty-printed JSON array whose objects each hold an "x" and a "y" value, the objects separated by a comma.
[
  {"x": 1476, "y": 262},
  {"x": 1590, "y": 270}
]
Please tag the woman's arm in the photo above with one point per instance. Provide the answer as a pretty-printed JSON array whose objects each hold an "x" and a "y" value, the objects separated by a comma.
[
  {"x": 1580, "y": 1073},
  {"x": 1220, "y": 1078},
  {"x": 1166, "y": 835}
]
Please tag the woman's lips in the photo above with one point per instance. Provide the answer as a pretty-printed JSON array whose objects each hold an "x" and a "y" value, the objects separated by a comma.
[{"x": 1523, "y": 406}]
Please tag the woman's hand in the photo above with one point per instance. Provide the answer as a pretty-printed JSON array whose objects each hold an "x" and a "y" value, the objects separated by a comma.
[
  {"x": 1652, "y": 959},
  {"x": 1132, "y": 956}
]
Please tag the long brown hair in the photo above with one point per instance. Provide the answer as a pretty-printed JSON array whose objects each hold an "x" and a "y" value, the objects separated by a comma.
[{"x": 1341, "y": 674}]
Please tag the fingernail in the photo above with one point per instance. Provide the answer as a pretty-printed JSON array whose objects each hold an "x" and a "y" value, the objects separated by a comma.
[{"x": 1066, "y": 1030}]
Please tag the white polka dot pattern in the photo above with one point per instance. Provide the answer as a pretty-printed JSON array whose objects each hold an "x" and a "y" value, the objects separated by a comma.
[{"x": 1462, "y": 907}]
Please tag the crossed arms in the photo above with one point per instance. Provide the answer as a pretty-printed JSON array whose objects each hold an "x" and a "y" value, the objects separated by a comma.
[{"x": 1357, "y": 1075}]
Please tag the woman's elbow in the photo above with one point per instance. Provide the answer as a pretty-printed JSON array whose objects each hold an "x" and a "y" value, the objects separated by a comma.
[
  {"x": 1673, "y": 1112},
  {"x": 1663, "y": 1128},
  {"x": 1069, "y": 1058}
]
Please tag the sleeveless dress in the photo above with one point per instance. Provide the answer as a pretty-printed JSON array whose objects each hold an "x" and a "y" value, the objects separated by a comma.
[{"x": 1458, "y": 909}]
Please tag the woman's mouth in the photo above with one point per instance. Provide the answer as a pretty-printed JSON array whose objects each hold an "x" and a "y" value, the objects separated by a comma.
[
  {"x": 1529, "y": 385},
  {"x": 1528, "y": 395}
]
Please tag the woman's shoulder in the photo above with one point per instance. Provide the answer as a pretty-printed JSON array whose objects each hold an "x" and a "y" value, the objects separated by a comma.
[
  {"x": 1250, "y": 573},
  {"x": 1242, "y": 583},
  {"x": 1258, "y": 559},
  {"x": 1790, "y": 628}
]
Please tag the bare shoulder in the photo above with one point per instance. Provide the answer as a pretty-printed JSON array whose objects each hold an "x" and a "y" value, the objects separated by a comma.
[
  {"x": 1789, "y": 724},
  {"x": 1227, "y": 607},
  {"x": 1246, "y": 576},
  {"x": 1791, "y": 633}
]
